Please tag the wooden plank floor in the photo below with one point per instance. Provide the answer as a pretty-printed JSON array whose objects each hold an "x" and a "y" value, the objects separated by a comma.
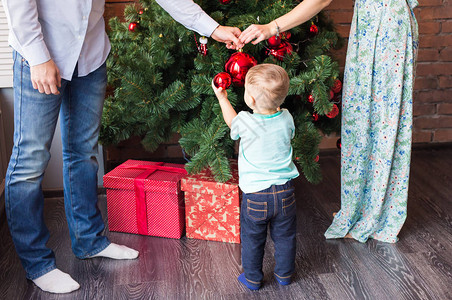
[{"x": 419, "y": 266}]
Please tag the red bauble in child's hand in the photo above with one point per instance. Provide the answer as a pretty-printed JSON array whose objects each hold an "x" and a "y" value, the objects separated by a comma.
[{"x": 222, "y": 80}]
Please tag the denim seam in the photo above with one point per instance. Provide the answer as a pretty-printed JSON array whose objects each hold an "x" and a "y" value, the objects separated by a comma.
[
  {"x": 257, "y": 219},
  {"x": 18, "y": 148},
  {"x": 291, "y": 203},
  {"x": 257, "y": 203},
  {"x": 270, "y": 193},
  {"x": 43, "y": 272},
  {"x": 250, "y": 208},
  {"x": 68, "y": 140},
  {"x": 275, "y": 200}
]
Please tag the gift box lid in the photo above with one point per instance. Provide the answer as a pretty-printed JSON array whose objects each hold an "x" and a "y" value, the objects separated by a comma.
[
  {"x": 205, "y": 183},
  {"x": 160, "y": 181}
]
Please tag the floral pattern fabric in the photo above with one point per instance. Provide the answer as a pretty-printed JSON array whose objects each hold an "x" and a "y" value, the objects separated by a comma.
[{"x": 377, "y": 121}]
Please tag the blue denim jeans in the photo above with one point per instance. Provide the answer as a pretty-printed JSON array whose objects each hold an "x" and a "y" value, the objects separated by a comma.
[
  {"x": 276, "y": 207},
  {"x": 35, "y": 117}
]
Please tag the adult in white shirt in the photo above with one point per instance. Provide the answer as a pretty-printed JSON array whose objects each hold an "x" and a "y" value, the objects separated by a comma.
[{"x": 60, "y": 48}]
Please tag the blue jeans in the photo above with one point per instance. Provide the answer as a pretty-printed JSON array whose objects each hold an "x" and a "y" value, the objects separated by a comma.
[
  {"x": 35, "y": 117},
  {"x": 275, "y": 206}
]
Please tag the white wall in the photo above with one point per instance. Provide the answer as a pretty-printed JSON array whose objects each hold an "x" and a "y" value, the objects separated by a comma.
[{"x": 53, "y": 178}]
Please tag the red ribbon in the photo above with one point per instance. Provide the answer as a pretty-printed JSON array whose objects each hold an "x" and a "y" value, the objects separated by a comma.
[{"x": 140, "y": 194}]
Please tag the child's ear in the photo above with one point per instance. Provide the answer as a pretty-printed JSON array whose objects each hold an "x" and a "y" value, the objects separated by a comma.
[{"x": 252, "y": 101}]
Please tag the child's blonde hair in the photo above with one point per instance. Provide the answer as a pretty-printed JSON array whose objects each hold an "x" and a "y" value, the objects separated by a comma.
[{"x": 268, "y": 84}]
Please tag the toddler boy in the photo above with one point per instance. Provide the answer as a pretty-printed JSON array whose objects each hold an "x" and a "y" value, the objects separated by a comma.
[{"x": 266, "y": 171}]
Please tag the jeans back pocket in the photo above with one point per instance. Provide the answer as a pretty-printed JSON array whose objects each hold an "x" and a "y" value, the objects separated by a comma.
[
  {"x": 256, "y": 210},
  {"x": 288, "y": 205}
]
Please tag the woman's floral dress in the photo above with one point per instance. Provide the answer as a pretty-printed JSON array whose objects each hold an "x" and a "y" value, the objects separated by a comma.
[{"x": 376, "y": 121}]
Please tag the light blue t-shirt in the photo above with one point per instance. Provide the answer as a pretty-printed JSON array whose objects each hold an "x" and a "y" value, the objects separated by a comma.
[{"x": 265, "y": 152}]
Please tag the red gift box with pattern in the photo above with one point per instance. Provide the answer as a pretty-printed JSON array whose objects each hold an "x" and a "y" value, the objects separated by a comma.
[
  {"x": 212, "y": 209},
  {"x": 145, "y": 197}
]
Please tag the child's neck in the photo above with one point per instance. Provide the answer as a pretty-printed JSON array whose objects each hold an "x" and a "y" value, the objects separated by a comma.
[{"x": 265, "y": 112}]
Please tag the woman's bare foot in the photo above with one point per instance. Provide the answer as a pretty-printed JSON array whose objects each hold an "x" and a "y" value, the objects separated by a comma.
[{"x": 348, "y": 236}]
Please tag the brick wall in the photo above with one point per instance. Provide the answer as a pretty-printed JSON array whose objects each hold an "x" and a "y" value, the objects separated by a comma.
[{"x": 433, "y": 86}]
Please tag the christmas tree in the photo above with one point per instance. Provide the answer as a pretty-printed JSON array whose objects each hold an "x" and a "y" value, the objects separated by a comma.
[{"x": 162, "y": 74}]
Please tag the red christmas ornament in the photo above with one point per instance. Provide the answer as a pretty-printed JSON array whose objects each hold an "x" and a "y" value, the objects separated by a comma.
[
  {"x": 315, "y": 117},
  {"x": 274, "y": 42},
  {"x": 337, "y": 86},
  {"x": 331, "y": 94},
  {"x": 334, "y": 112},
  {"x": 313, "y": 29},
  {"x": 338, "y": 144},
  {"x": 140, "y": 12},
  {"x": 133, "y": 26},
  {"x": 238, "y": 65},
  {"x": 224, "y": 2},
  {"x": 281, "y": 51},
  {"x": 316, "y": 159},
  {"x": 223, "y": 80},
  {"x": 310, "y": 98}
]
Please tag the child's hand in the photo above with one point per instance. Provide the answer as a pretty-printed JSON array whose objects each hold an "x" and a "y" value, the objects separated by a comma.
[
  {"x": 226, "y": 107},
  {"x": 219, "y": 92}
]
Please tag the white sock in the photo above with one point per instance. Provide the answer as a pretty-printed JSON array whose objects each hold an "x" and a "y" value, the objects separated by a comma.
[
  {"x": 57, "y": 282},
  {"x": 117, "y": 252}
]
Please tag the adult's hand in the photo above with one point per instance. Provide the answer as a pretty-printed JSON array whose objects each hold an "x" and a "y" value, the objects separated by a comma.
[
  {"x": 228, "y": 35},
  {"x": 258, "y": 33},
  {"x": 46, "y": 78}
]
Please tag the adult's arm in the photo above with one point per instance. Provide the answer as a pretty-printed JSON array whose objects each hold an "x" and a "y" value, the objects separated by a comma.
[
  {"x": 191, "y": 15},
  {"x": 26, "y": 31},
  {"x": 300, "y": 14}
]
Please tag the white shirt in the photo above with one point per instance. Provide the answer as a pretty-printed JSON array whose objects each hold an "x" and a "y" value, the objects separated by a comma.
[
  {"x": 190, "y": 15},
  {"x": 73, "y": 31}
]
